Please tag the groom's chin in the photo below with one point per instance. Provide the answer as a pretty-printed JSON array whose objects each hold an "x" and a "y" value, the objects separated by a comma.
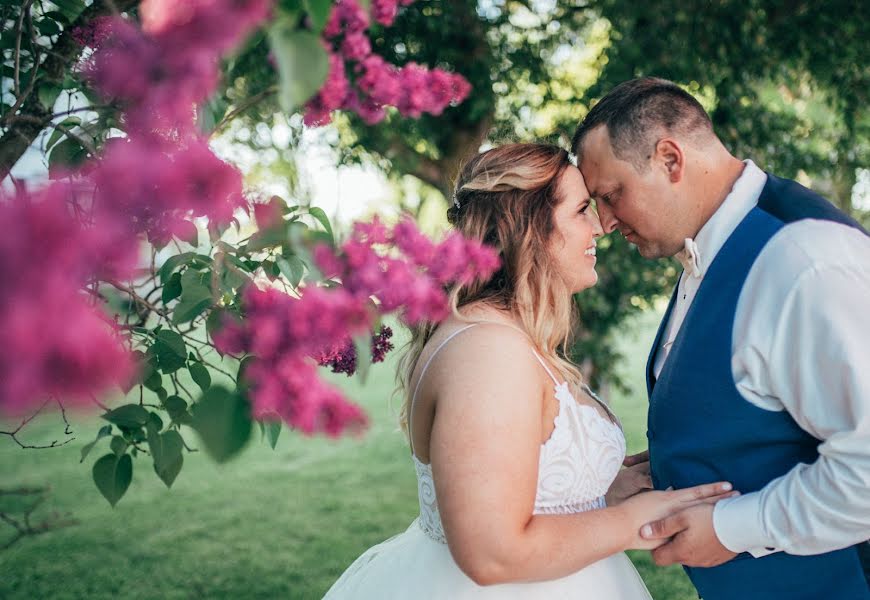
[{"x": 652, "y": 252}]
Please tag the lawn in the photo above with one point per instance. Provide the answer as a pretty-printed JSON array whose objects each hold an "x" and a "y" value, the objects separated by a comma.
[{"x": 269, "y": 524}]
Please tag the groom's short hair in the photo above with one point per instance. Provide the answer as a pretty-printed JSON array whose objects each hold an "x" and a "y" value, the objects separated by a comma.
[{"x": 637, "y": 111}]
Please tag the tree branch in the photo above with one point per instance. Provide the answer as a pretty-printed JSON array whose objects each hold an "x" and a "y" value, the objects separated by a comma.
[
  {"x": 61, "y": 56},
  {"x": 22, "y": 525}
]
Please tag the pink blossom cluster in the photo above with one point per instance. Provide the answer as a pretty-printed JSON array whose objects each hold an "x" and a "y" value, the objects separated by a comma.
[
  {"x": 282, "y": 333},
  {"x": 53, "y": 339},
  {"x": 385, "y": 11},
  {"x": 165, "y": 69},
  {"x": 413, "y": 89},
  {"x": 342, "y": 359},
  {"x": 412, "y": 280},
  {"x": 157, "y": 187},
  {"x": 53, "y": 343},
  {"x": 93, "y": 33}
]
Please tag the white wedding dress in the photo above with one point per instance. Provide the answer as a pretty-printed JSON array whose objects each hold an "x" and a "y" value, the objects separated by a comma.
[{"x": 577, "y": 464}]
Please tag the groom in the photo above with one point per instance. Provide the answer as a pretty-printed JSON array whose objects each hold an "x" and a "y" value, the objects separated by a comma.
[{"x": 760, "y": 372}]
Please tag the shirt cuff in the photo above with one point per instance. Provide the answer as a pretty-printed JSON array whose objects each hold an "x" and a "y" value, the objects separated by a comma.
[{"x": 737, "y": 523}]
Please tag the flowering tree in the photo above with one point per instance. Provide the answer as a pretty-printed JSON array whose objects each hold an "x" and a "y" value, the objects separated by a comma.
[{"x": 127, "y": 295}]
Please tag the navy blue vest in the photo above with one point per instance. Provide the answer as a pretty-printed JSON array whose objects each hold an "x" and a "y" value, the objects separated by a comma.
[{"x": 701, "y": 429}]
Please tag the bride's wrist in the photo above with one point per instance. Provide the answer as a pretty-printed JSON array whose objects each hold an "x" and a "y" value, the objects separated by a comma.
[{"x": 627, "y": 536}]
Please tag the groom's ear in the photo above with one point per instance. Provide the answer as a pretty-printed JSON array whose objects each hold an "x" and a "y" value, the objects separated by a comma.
[{"x": 669, "y": 156}]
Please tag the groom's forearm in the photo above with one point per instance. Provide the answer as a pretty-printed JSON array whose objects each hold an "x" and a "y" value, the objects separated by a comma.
[{"x": 817, "y": 368}]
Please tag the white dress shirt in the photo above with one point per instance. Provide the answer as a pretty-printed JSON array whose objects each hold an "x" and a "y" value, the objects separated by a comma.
[{"x": 801, "y": 343}]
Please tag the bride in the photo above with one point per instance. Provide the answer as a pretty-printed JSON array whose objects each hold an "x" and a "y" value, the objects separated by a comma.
[{"x": 514, "y": 456}]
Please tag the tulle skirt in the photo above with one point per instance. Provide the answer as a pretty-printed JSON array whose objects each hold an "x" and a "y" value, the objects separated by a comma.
[{"x": 412, "y": 565}]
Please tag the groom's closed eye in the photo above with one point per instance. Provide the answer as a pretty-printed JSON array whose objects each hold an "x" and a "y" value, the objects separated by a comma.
[{"x": 609, "y": 197}]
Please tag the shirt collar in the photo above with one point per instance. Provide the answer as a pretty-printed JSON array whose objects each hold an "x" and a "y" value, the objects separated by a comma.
[{"x": 698, "y": 253}]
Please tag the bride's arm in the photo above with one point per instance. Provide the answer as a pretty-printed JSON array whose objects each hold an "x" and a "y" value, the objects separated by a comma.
[{"x": 484, "y": 451}]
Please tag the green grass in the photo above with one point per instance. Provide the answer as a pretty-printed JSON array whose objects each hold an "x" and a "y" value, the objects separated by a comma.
[{"x": 282, "y": 523}]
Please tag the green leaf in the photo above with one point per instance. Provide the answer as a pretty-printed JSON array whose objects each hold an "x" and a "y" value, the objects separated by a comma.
[
  {"x": 195, "y": 296},
  {"x": 48, "y": 27},
  {"x": 170, "y": 351},
  {"x": 57, "y": 133},
  {"x": 318, "y": 214},
  {"x": 70, "y": 8},
  {"x": 233, "y": 276},
  {"x": 303, "y": 63},
  {"x": 363, "y": 345},
  {"x": 166, "y": 453},
  {"x": 105, "y": 430},
  {"x": 113, "y": 474},
  {"x": 48, "y": 93},
  {"x": 65, "y": 157},
  {"x": 177, "y": 409},
  {"x": 240, "y": 375},
  {"x": 172, "y": 263},
  {"x": 154, "y": 380},
  {"x": 211, "y": 113},
  {"x": 187, "y": 309},
  {"x": 57, "y": 16},
  {"x": 178, "y": 260},
  {"x": 215, "y": 319},
  {"x": 171, "y": 289},
  {"x": 162, "y": 394},
  {"x": 200, "y": 375},
  {"x": 292, "y": 268},
  {"x": 318, "y": 10},
  {"x": 128, "y": 416},
  {"x": 273, "y": 429},
  {"x": 118, "y": 445},
  {"x": 222, "y": 420},
  {"x": 154, "y": 422}
]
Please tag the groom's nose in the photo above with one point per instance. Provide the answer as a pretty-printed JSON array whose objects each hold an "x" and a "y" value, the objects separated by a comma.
[{"x": 607, "y": 218}]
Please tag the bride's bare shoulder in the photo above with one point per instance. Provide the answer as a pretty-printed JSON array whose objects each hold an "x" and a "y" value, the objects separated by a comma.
[{"x": 494, "y": 348}]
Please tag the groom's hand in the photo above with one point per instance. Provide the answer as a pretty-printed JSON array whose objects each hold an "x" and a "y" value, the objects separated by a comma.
[
  {"x": 633, "y": 479},
  {"x": 694, "y": 542},
  {"x": 636, "y": 459}
]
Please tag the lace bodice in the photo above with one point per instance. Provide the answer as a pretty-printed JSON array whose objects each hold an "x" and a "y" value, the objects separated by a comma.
[{"x": 576, "y": 466}]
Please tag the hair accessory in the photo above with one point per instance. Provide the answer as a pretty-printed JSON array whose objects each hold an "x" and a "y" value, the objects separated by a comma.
[{"x": 456, "y": 201}]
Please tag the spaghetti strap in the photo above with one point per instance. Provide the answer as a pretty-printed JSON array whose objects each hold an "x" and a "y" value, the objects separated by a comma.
[
  {"x": 546, "y": 368},
  {"x": 423, "y": 373}
]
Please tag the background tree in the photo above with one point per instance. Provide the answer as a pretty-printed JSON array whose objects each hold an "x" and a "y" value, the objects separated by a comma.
[{"x": 785, "y": 83}]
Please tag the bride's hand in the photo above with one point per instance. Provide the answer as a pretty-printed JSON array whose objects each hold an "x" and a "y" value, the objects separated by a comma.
[
  {"x": 631, "y": 479},
  {"x": 652, "y": 506}
]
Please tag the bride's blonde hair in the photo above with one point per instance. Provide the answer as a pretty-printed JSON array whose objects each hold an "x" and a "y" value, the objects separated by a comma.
[{"x": 505, "y": 197}]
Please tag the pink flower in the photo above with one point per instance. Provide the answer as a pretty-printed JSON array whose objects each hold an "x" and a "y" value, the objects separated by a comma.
[
  {"x": 214, "y": 26},
  {"x": 342, "y": 358},
  {"x": 53, "y": 342},
  {"x": 154, "y": 186},
  {"x": 356, "y": 46},
  {"x": 282, "y": 333},
  {"x": 331, "y": 96},
  {"x": 347, "y": 17},
  {"x": 268, "y": 214},
  {"x": 93, "y": 33},
  {"x": 384, "y": 11},
  {"x": 380, "y": 81}
]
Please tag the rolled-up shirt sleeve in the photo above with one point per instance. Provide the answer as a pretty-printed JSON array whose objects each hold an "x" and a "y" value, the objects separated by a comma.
[{"x": 816, "y": 366}]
